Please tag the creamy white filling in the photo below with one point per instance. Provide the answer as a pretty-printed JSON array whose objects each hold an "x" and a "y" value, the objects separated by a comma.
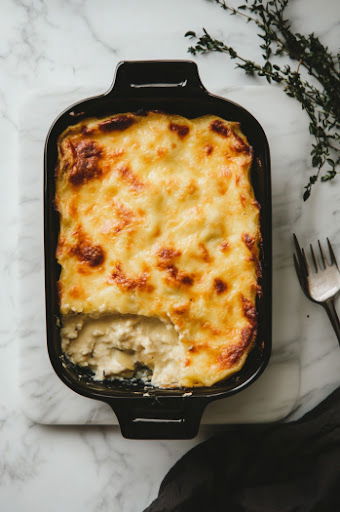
[{"x": 112, "y": 345}]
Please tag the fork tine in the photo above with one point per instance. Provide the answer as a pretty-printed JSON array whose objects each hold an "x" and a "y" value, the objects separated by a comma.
[
  {"x": 297, "y": 268},
  {"x": 301, "y": 258},
  {"x": 306, "y": 267},
  {"x": 332, "y": 255},
  {"x": 322, "y": 255},
  {"x": 313, "y": 258}
]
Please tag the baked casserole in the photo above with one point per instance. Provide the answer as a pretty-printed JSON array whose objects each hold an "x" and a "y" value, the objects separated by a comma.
[{"x": 158, "y": 246}]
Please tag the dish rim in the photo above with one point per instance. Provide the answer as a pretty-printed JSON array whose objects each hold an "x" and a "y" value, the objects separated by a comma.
[{"x": 174, "y": 83}]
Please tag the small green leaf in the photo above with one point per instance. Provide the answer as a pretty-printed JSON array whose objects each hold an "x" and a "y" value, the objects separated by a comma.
[
  {"x": 306, "y": 194},
  {"x": 267, "y": 67},
  {"x": 315, "y": 161},
  {"x": 329, "y": 176}
]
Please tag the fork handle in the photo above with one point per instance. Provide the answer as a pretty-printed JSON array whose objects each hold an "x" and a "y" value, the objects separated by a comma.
[{"x": 333, "y": 316}]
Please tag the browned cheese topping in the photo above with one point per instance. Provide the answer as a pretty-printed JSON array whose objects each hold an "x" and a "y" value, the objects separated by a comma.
[{"x": 158, "y": 220}]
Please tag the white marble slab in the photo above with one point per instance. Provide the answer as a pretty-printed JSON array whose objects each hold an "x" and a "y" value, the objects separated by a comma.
[{"x": 45, "y": 399}]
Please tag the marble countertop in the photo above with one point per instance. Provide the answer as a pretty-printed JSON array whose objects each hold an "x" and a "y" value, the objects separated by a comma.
[{"x": 74, "y": 44}]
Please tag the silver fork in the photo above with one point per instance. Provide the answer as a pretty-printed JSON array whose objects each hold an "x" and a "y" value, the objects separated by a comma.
[{"x": 319, "y": 281}]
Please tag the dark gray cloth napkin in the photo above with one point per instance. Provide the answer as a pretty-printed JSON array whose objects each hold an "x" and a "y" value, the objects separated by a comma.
[{"x": 282, "y": 467}]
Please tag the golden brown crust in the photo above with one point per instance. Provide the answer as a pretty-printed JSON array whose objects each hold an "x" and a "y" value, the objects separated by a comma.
[
  {"x": 158, "y": 218},
  {"x": 232, "y": 354},
  {"x": 181, "y": 129},
  {"x": 93, "y": 255},
  {"x": 86, "y": 156},
  {"x": 220, "y": 127},
  {"x": 116, "y": 123},
  {"x": 219, "y": 285},
  {"x": 140, "y": 282}
]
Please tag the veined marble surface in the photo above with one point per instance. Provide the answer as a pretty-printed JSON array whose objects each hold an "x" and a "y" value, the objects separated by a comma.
[
  {"x": 44, "y": 398},
  {"x": 76, "y": 43}
]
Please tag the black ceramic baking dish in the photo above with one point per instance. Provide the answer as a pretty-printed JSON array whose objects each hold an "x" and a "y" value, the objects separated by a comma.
[{"x": 174, "y": 87}]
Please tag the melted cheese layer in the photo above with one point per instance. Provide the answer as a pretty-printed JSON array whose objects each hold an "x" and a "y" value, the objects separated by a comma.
[
  {"x": 158, "y": 219},
  {"x": 114, "y": 345}
]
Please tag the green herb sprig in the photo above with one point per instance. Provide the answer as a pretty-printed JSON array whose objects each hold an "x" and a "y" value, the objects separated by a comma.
[{"x": 315, "y": 82}]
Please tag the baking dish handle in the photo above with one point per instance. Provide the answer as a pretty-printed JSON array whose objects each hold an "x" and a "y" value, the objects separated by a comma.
[
  {"x": 180, "y": 75},
  {"x": 159, "y": 418}
]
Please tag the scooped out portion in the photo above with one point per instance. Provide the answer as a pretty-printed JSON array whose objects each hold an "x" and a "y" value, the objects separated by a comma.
[{"x": 120, "y": 345}]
